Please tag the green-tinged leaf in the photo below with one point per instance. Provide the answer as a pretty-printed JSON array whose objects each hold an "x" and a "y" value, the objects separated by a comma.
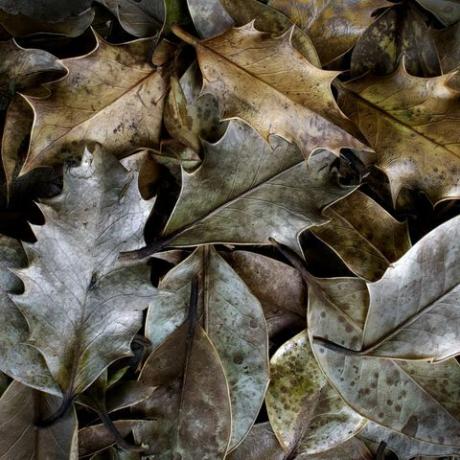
[
  {"x": 209, "y": 17},
  {"x": 63, "y": 17},
  {"x": 411, "y": 123},
  {"x": 247, "y": 191},
  {"x": 190, "y": 410},
  {"x": 20, "y": 408},
  {"x": 403, "y": 446},
  {"x": 366, "y": 237},
  {"x": 253, "y": 74},
  {"x": 399, "y": 33},
  {"x": 83, "y": 309},
  {"x": 413, "y": 308},
  {"x": 447, "y": 11},
  {"x": 271, "y": 20},
  {"x": 259, "y": 444},
  {"x": 278, "y": 287},
  {"x": 234, "y": 322},
  {"x": 18, "y": 359},
  {"x": 415, "y": 398},
  {"x": 112, "y": 96},
  {"x": 306, "y": 413},
  {"x": 333, "y": 27}
]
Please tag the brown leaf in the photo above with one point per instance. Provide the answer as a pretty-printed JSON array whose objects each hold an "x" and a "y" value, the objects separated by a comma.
[{"x": 111, "y": 96}]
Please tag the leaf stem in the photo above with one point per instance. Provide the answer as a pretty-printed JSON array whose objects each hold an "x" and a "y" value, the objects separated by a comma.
[
  {"x": 62, "y": 410},
  {"x": 184, "y": 35}
]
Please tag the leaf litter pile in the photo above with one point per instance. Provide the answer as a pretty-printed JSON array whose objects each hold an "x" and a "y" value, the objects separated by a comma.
[{"x": 229, "y": 229}]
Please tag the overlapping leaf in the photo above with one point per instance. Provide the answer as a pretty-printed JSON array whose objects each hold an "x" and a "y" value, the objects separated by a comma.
[
  {"x": 111, "y": 96},
  {"x": 83, "y": 310},
  {"x": 234, "y": 322}
]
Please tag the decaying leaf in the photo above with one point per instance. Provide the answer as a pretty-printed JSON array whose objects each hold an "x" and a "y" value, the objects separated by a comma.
[
  {"x": 234, "y": 322},
  {"x": 405, "y": 447},
  {"x": 270, "y": 183},
  {"x": 111, "y": 96},
  {"x": 364, "y": 235},
  {"x": 278, "y": 287},
  {"x": 190, "y": 411},
  {"x": 399, "y": 33},
  {"x": 410, "y": 122},
  {"x": 447, "y": 11},
  {"x": 82, "y": 309},
  {"x": 20, "y": 408},
  {"x": 64, "y": 17},
  {"x": 400, "y": 324},
  {"x": 18, "y": 360},
  {"x": 333, "y": 27},
  {"x": 267, "y": 19},
  {"x": 209, "y": 17},
  {"x": 447, "y": 41},
  {"x": 411, "y": 397},
  {"x": 252, "y": 74},
  {"x": 306, "y": 413}
]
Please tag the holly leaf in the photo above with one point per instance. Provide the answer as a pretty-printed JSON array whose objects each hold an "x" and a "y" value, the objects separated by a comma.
[
  {"x": 235, "y": 324},
  {"x": 18, "y": 359},
  {"x": 409, "y": 122},
  {"x": 267, "y": 190},
  {"x": 366, "y": 237},
  {"x": 306, "y": 413},
  {"x": 253, "y": 74},
  {"x": 334, "y": 27},
  {"x": 424, "y": 326},
  {"x": 209, "y": 17},
  {"x": 400, "y": 32},
  {"x": 82, "y": 309},
  {"x": 112, "y": 96},
  {"x": 191, "y": 407},
  {"x": 20, "y": 408},
  {"x": 21, "y": 17},
  {"x": 414, "y": 398}
]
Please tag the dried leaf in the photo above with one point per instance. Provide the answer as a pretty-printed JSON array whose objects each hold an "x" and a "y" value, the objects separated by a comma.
[
  {"x": 96, "y": 307},
  {"x": 334, "y": 27},
  {"x": 447, "y": 11},
  {"x": 447, "y": 41},
  {"x": 411, "y": 123},
  {"x": 354, "y": 449},
  {"x": 18, "y": 360},
  {"x": 414, "y": 398},
  {"x": 402, "y": 324},
  {"x": 306, "y": 413},
  {"x": 20, "y": 408},
  {"x": 234, "y": 322},
  {"x": 403, "y": 446},
  {"x": 101, "y": 102},
  {"x": 278, "y": 287},
  {"x": 209, "y": 17},
  {"x": 267, "y": 19},
  {"x": 364, "y": 235},
  {"x": 399, "y": 33},
  {"x": 267, "y": 182},
  {"x": 253, "y": 74},
  {"x": 191, "y": 407}
]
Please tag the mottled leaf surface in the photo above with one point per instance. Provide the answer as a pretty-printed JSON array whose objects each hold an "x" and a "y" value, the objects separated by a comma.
[
  {"x": 234, "y": 322},
  {"x": 333, "y": 27},
  {"x": 415, "y": 398},
  {"x": 111, "y": 96},
  {"x": 411, "y": 123},
  {"x": 305, "y": 412},
  {"x": 364, "y": 235},
  {"x": 190, "y": 411}
]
